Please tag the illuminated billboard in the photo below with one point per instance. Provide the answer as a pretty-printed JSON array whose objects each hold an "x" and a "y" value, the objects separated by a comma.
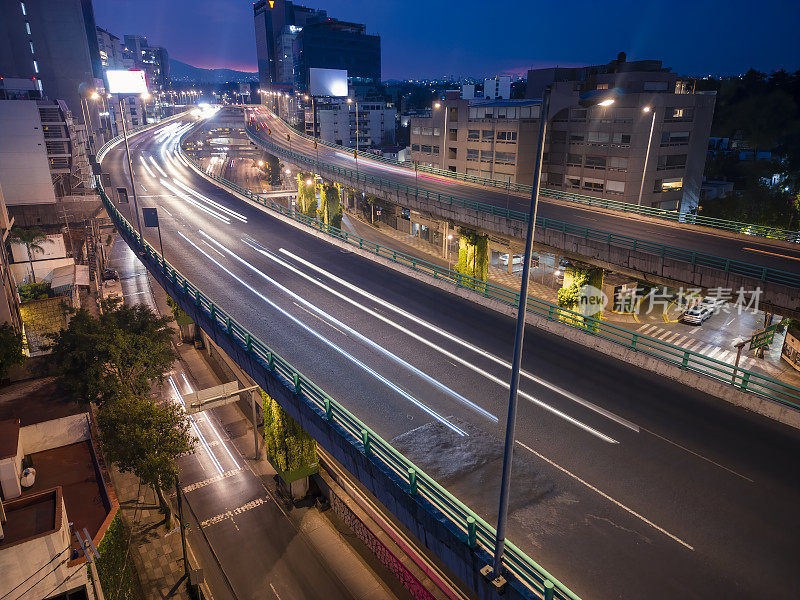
[
  {"x": 327, "y": 82},
  {"x": 126, "y": 82}
]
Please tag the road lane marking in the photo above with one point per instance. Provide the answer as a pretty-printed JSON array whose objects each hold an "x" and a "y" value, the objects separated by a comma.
[
  {"x": 698, "y": 455},
  {"x": 772, "y": 253},
  {"x": 607, "y": 497},
  {"x": 229, "y": 514},
  {"x": 390, "y": 384},
  {"x": 480, "y": 351},
  {"x": 439, "y": 349},
  {"x": 216, "y": 478},
  {"x": 331, "y": 319},
  {"x": 210, "y": 424}
]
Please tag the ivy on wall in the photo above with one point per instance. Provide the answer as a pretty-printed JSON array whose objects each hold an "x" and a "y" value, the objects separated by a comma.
[
  {"x": 331, "y": 205},
  {"x": 289, "y": 447},
  {"x": 306, "y": 195},
  {"x": 569, "y": 295},
  {"x": 473, "y": 255}
]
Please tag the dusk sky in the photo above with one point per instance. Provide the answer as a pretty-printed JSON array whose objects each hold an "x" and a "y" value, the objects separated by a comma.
[{"x": 473, "y": 37}]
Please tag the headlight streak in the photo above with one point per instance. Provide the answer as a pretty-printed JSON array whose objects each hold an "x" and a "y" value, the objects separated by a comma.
[
  {"x": 480, "y": 351},
  {"x": 194, "y": 203},
  {"x": 211, "y": 202},
  {"x": 211, "y": 425},
  {"x": 331, "y": 319},
  {"x": 330, "y": 344},
  {"x": 199, "y": 433},
  {"x": 147, "y": 168}
]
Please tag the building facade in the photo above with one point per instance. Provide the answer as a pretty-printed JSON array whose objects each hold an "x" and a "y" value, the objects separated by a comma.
[
  {"x": 651, "y": 142},
  {"x": 336, "y": 122}
]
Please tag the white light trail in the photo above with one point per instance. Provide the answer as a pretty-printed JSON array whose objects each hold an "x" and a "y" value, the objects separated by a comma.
[
  {"x": 330, "y": 344},
  {"x": 157, "y": 166},
  {"x": 146, "y": 168},
  {"x": 195, "y": 203},
  {"x": 211, "y": 202},
  {"x": 199, "y": 433},
  {"x": 211, "y": 425}
]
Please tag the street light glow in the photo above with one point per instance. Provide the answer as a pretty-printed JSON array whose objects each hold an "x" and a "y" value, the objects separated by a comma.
[
  {"x": 309, "y": 182},
  {"x": 607, "y": 102},
  {"x": 646, "y": 109}
]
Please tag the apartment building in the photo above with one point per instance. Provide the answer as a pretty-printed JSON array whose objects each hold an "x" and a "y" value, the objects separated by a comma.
[
  {"x": 337, "y": 123},
  {"x": 651, "y": 142}
]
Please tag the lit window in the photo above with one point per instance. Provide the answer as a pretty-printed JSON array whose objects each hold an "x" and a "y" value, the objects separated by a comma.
[
  {"x": 602, "y": 86},
  {"x": 24, "y": 10},
  {"x": 35, "y": 66},
  {"x": 31, "y": 44},
  {"x": 27, "y": 28}
]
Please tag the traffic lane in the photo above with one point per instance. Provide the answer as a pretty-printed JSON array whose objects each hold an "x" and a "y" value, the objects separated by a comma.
[{"x": 757, "y": 251}]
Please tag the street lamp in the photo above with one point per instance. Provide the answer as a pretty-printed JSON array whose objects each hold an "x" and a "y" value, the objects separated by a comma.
[
  {"x": 358, "y": 138},
  {"x": 604, "y": 99},
  {"x": 647, "y": 109},
  {"x": 145, "y": 97},
  {"x": 314, "y": 120},
  {"x": 443, "y": 142}
]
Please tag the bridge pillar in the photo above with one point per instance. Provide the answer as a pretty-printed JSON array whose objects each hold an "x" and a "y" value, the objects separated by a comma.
[
  {"x": 573, "y": 293},
  {"x": 473, "y": 255}
]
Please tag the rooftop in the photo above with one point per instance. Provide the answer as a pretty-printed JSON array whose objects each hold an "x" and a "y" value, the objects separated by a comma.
[
  {"x": 9, "y": 438},
  {"x": 31, "y": 516},
  {"x": 36, "y": 400}
]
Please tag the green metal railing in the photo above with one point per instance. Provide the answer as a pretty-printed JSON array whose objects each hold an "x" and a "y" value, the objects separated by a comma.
[
  {"x": 461, "y": 520},
  {"x": 697, "y": 259},
  {"x": 746, "y": 380},
  {"x": 775, "y": 233}
]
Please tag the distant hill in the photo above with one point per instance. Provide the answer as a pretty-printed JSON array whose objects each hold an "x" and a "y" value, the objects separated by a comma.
[{"x": 182, "y": 72}]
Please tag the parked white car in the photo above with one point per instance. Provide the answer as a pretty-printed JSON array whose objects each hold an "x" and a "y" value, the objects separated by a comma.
[
  {"x": 697, "y": 314},
  {"x": 517, "y": 260}
]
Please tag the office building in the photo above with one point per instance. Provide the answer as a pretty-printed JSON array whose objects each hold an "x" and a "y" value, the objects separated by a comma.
[
  {"x": 292, "y": 39},
  {"x": 594, "y": 150},
  {"x": 153, "y": 60},
  {"x": 336, "y": 122},
  {"x": 497, "y": 88}
]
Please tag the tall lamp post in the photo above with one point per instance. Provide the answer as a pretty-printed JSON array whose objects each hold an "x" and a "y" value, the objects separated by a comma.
[
  {"x": 358, "y": 133},
  {"x": 647, "y": 109},
  {"x": 314, "y": 117},
  {"x": 496, "y": 569},
  {"x": 443, "y": 143},
  {"x": 130, "y": 165}
]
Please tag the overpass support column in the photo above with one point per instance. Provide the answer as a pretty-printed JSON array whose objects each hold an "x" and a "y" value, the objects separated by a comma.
[
  {"x": 445, "y": 233},
  {"x": 581, "y": 291},
  {"x": 473, "y": 255}
]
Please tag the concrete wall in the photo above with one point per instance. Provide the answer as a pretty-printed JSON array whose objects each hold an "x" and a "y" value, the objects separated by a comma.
[
  {"x": 57, "y": 432},
  {"x": 434, "y": 531},
  {"x": 10, "y": 471}
]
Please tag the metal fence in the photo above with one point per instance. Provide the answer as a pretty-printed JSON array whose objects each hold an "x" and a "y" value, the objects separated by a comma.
[
  {"x": 698, "y": 259},
  {"x": 746, "y": 380},
  {"x": 764, "y": 231}
]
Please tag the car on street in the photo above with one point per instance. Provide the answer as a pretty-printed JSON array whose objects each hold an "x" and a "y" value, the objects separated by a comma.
[
  {"x": 110, "y": 275},
  {"x": 697, "y": 314},
  {"x": 517, "y": 260}
]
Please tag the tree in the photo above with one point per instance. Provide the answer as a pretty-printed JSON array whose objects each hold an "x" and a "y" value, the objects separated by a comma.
[
  {"x": 119, "y": 353},
  {"x": 145, "y": 438},
  {"x": 11, "y": 349},
  {"x": 32, "y": 239}
]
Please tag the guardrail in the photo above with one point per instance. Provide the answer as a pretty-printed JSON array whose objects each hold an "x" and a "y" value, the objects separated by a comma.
[
  {"x": 764, "y": 231},
  {"x": 117, "y": 139},
  {"x": 473, "y": 530},
  {"x": 700, "y": 259},
  {"x": 746, "y": 380}
]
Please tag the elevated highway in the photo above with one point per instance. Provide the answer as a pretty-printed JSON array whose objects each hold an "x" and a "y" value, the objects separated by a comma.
[
  {"x": 626, "y": 485},
  {"x": 660, "y": 251}
]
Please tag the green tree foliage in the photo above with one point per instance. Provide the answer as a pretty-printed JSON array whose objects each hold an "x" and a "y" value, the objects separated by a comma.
[
  {"x": 145, "y": 438},
  {"x": 33, "y": 239},
  {"x": 117, "y": 575},
  {"x": 307, "y": 195},
  {"x": 35, "y": 291},
  {"x": 272, "y": 167},
  {"x": 289, "y": 447},
  {"x": 119, "y": 353},
  {"x": 473, "y": 255},
  {"x": 11, "y": 349},
  {"x": 331, "y": 205},
  {"x": 569, "y": 295}
]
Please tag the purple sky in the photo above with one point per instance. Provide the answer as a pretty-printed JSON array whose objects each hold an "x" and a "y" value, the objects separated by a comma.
[{"x": 472, "y": 37}]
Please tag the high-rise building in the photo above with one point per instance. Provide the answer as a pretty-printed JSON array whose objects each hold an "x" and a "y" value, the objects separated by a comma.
[
  {"x": 291, "y": 39},
  {"x": 651, "y": 141}
]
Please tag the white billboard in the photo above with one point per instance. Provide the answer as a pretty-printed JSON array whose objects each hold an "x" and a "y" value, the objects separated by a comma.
[
  {"x": 327, "y": 82},
  {"x": 126, "y": 82}
]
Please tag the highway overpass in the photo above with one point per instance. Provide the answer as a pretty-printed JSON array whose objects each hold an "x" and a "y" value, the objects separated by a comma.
[
  {"x": 627, "y": 485},
  {"x": 655, "y": 250}
]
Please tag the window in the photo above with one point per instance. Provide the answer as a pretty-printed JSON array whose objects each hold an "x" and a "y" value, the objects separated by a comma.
[
  {"x": 598, "y": 137},
  {"x": 683, "y": 113},
  {"x": 617, "y": 163},
  {"x": 507, "y": 136},
  {"x": 472, "y": 155},
  {"x": 486, "y": 156},
  {"x": 668, "y": 185},
  {"x": 27, "y": 28},
  {"x": 415, "y": 130},
  {"x": 415, "y": 147},
  {"x": 487, "y": 135},
  {"x": 672, "y": 161},
  {"x": 436, "y": 149},
  {"x": 426, "y": 131},
  {"x": 473, "y": 135},
  {"x": 425, "y": 149},
  {"x": 596, "y": 162},
  {"x": 602, "y": 86},
  {"x": 595, "y": 185},
  {"x": 31, "y": 44},
  {"x": 681, "y": 86},
  {"x": 452, "y": 135},
  {"x": 452, "y": 113},
  {"x": 669, "y": 138},
  {"x": 452, "y": 153},
  {"x": 574, "y": 182},
  {"x": 505, "y": 158},
  {"x": 578, "y": 114},
  {"x": 556, "y": 178},
  {"x": 35, "y": 66},
  {"x": 621, "y": 138},
  {"x": 615, "y": 187},
  {"x": 436, "y": 131},
  {"x": 574, "y": 160}
]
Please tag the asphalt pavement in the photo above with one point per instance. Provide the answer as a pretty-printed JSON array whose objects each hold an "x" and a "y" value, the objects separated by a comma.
[{"x": 626, "y": 485}]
